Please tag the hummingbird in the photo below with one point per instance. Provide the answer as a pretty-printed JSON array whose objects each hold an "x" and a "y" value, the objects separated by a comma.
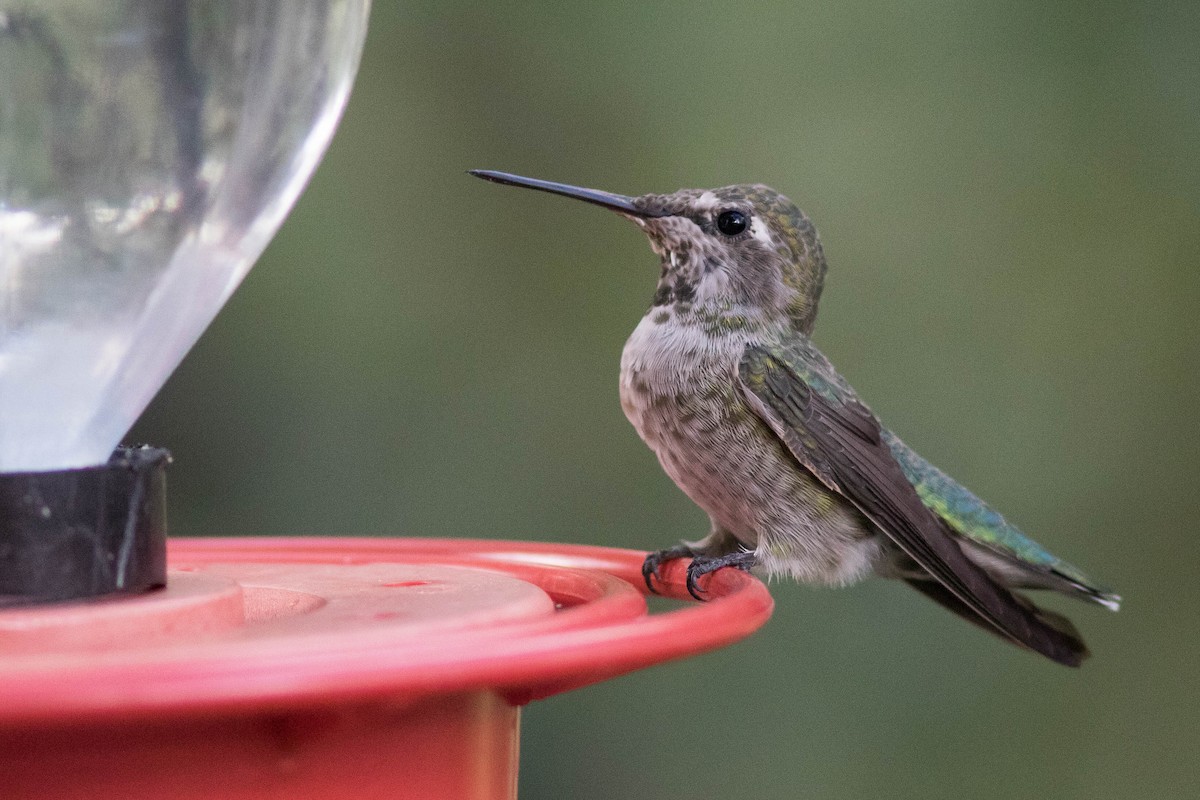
[{"x": 798, "y": 477}]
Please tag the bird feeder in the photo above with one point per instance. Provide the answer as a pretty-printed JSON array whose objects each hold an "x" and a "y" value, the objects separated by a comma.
[
  {"x": 148, "y": 153},
  {"x": 332, "y": 668}
]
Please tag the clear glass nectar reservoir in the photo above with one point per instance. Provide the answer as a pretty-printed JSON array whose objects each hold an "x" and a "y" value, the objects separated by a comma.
[{"x": 148, "y": 153}]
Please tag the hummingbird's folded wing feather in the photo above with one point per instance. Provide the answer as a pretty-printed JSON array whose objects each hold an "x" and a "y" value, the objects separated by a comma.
[
  {"x": 831, "y": 433},
  {"x": 976, "y": 521}
]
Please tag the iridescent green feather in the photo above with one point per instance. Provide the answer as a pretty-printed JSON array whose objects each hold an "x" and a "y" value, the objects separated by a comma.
[{"x": 975, "y": 520}]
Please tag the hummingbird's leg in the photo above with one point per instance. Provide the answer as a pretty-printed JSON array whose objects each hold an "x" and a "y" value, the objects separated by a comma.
[
  {"x": 702, "y": 565},
  {"x": 718, "y": 543},
  {"x": 655, "y": 560}
]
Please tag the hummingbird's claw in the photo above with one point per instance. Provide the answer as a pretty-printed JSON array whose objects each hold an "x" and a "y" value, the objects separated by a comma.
[
  {"x": 655, "y": 560},
  {"x": 702, "y": 565}
]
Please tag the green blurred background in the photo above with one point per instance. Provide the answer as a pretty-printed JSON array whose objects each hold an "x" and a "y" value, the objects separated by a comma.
[{"x": 1009, "y": 196}]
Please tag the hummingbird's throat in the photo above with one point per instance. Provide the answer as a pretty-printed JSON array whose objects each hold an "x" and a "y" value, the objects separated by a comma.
[
  {"x": 691, "y": 264},
  {"x": 673, "y": 292},
  {"x": 680, "y": 276}
]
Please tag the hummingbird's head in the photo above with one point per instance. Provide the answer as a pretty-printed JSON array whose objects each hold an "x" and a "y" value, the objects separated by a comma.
[{"x": 745, "y": 247}]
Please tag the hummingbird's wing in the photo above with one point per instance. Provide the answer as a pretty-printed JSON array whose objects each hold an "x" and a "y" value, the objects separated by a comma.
[
  {"x": 975, "y": 521},
  {"x": 819, "y": 419}
]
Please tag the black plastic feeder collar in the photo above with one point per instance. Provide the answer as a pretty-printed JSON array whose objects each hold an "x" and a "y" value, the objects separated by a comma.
[{"x": 84, "y": 533}]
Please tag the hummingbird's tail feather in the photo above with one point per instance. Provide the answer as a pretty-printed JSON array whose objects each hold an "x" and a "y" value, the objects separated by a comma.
[
  {"x": 1082, "y": 591},
  {"x": 1016, "y": 573},
  {"x": 947, "y": 599}
]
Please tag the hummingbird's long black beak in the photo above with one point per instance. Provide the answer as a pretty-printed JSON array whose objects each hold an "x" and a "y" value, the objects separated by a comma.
[{"x": 616, "y": 202}]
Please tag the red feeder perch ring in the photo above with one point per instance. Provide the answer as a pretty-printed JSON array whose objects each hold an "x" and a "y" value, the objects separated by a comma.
[{"x": 332, "y": 668}]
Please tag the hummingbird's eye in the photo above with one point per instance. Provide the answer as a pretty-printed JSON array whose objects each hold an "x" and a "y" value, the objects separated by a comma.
[{"x": 732, "y": 222}]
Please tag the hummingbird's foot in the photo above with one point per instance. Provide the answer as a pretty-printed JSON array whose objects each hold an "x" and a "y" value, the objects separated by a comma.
[
  {"x": 654, "y": 561},
  {"x": 702, "y": 565}
]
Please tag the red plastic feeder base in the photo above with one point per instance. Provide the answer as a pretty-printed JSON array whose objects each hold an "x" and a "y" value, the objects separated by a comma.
[{"x": 332, "y": 668}]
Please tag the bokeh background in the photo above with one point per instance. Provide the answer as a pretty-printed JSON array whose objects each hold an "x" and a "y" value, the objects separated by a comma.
[{"x": 1009, "y": 196}]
